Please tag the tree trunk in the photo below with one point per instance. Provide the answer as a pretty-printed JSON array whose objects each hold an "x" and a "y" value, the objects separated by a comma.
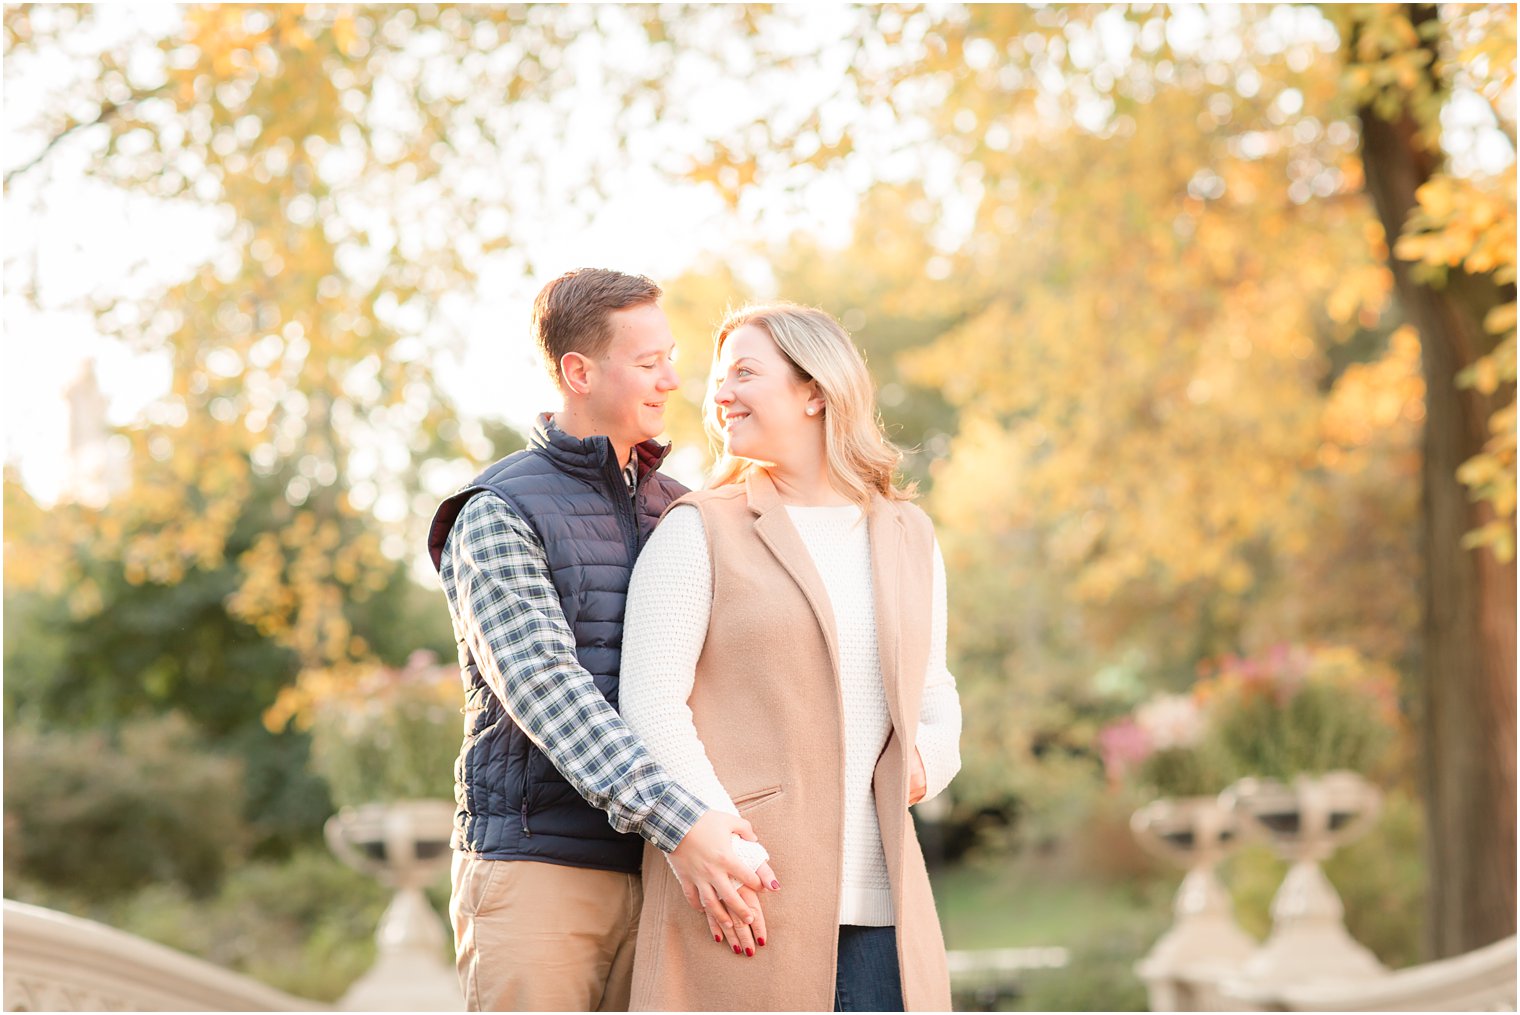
[{"x": 1468, "y": 699}]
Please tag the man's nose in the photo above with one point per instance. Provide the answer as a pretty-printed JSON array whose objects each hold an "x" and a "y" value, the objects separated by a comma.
[{"x": 668, "y": 380}]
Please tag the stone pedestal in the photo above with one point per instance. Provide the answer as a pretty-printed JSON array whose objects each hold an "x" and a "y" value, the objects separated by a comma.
[
  {"x": 1305, "y": 823},
  {"x": 405, "y": 844},
  {"x": 1204, "y": 944}
]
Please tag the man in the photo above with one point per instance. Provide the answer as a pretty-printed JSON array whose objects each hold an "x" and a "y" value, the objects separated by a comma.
[{"x": 535, "y": 557}]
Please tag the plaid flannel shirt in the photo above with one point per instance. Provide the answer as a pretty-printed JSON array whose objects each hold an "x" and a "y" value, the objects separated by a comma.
[{"x": 508, "y": 615}]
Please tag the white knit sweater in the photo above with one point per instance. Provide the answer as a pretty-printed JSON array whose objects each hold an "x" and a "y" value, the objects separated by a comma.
[{"x": 669, "y": 605}]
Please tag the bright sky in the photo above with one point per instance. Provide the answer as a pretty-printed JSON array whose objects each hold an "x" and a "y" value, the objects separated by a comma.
[
  {"x": 80, "y": 237},
  {"x": 93, "y": 234}
]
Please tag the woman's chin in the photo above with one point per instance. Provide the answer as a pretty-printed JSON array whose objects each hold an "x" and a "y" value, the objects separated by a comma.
[
  {"x": 746, "y": 449},
  {"x": 763, "y": 461}
]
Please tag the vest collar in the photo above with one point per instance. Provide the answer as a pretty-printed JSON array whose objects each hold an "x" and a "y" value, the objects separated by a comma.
[
  {"x": 590, "y": 459},
  {"x": 762, "y": 496}
]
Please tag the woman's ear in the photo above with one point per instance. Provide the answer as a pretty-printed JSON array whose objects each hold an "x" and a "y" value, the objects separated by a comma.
[
  {"x": 815, "y": 403},
  {"x": 576, "y": 371}
]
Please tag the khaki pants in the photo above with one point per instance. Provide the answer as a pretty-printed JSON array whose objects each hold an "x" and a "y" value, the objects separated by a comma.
[{"x": 540, "y": 937}]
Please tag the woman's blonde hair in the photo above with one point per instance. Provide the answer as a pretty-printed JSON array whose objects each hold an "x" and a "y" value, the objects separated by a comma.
[{"x": 861, "y": 460}]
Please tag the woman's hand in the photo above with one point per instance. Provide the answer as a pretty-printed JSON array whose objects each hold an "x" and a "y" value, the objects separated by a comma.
[
  {"x": 742, "y": 938},
  {"x": 918, "y": 779}
]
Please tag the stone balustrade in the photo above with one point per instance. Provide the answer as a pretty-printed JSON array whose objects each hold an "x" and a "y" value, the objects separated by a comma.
[
  {"x": 57, "y": 962},
  {"x": 1309, "y": 961},
  {"x": 1481, "y": 980}
]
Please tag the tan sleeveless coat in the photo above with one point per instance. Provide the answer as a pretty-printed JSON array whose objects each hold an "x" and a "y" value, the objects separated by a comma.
[{"x": 766, "y": 703}]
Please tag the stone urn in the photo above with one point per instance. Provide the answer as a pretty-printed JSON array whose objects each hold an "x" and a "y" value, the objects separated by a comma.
[
  {"x": 1306, "y": 822},
  {"x": 1204, "y": 943},
  {"x": 405, "y": 845}
]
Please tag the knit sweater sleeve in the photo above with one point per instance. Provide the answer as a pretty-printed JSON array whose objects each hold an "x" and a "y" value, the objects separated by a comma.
[
  {"x": 664, "y": 629},
  {"x": 939, "y": 724}
]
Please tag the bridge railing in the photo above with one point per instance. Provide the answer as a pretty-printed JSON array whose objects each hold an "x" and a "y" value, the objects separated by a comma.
[{"x": 57, "y": 962}]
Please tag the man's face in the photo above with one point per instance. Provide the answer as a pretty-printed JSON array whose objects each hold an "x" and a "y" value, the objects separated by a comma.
[{"x": 629, "y": 384}]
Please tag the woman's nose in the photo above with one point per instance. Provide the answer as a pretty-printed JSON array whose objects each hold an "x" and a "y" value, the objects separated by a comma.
[{"x": 723, "y": 396}]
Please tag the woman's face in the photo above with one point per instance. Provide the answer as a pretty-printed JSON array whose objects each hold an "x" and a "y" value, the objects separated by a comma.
[{"x": 762, "y": 403}]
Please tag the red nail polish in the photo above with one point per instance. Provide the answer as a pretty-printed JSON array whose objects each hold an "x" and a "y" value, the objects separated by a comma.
[
  {"x": 736, "y": 949},
  {"x": 760, "y": 941},
  {"x": 775, "y": 886},
  {"x": 750, "y": 952},
  {"x": 718, "y": 938}
]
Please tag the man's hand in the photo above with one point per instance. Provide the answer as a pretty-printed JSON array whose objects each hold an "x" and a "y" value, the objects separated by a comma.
[
  {"x": 918, "y": 779},
  {"x": 708, "y": 867}
]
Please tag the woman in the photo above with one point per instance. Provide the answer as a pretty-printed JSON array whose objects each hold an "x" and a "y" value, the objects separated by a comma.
[{"x": 784, "y": 658}]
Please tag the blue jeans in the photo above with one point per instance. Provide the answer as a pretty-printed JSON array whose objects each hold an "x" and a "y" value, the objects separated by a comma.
[{"x": 868, "y": 978}]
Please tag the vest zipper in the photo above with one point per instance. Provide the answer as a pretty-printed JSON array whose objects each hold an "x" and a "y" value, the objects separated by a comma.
[
  {"x": 527, "y": 783},
  {"x": 625, "y": 511}
]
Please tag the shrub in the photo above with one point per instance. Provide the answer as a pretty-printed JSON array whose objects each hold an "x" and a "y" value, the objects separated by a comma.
[
  {"x": 1290, "y": 711},
  {"x": 380, "y": 733},
  {"x": 1299, "y": 711},
  {"x": 104, "y": 812},
  {"x": 1163, "y": 749}
]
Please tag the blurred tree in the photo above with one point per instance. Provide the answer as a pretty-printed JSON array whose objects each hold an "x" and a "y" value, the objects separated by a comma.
[
  {"x": 1454, "y": 270},
  {"x": 871, "y": 285},
  {"x": 874, "y": 286},
  {"x": 1187, "y": 363},
  {"x": 127, "y": 648},
  {"x": 350, "y": 160},
  {"x": 1187, "y": 409},
  {"x": 109, "y": 650}
]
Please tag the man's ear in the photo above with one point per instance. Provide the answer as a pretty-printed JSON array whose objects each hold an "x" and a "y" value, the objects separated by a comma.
[{"x": 576, "y": 371}]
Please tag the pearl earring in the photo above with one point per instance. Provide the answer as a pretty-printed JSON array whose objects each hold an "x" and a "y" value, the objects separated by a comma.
[{"x": 812, "y": 411}]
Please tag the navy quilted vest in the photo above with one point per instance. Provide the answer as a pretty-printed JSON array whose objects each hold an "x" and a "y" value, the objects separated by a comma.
[{"x": 512, "y": 803}]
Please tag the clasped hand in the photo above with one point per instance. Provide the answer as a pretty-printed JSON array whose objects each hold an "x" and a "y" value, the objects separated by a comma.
[{"x": 717, "y": 882}]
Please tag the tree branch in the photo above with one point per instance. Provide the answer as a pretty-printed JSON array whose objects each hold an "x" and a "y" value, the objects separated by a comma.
[{"x": 107, "y": 112}]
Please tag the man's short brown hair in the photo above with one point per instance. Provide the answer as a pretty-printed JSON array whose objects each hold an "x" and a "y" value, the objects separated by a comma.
[{"x": 574, "y": 312}]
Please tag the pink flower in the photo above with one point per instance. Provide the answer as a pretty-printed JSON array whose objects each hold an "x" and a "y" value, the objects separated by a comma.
[{"x": 1123, "y": 745}]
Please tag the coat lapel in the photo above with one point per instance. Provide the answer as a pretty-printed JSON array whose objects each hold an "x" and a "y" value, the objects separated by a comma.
[
  {"x": 780, "y": 536},
  {"x": 776, "y": 530},
  {"x": 886, "y": 534}
]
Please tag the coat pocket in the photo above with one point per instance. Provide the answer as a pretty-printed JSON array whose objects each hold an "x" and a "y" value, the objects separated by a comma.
[{"x": 755, "y": 799}]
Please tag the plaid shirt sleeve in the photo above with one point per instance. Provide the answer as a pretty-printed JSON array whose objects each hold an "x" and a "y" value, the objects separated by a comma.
[{"x": 505, "y": 607}]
